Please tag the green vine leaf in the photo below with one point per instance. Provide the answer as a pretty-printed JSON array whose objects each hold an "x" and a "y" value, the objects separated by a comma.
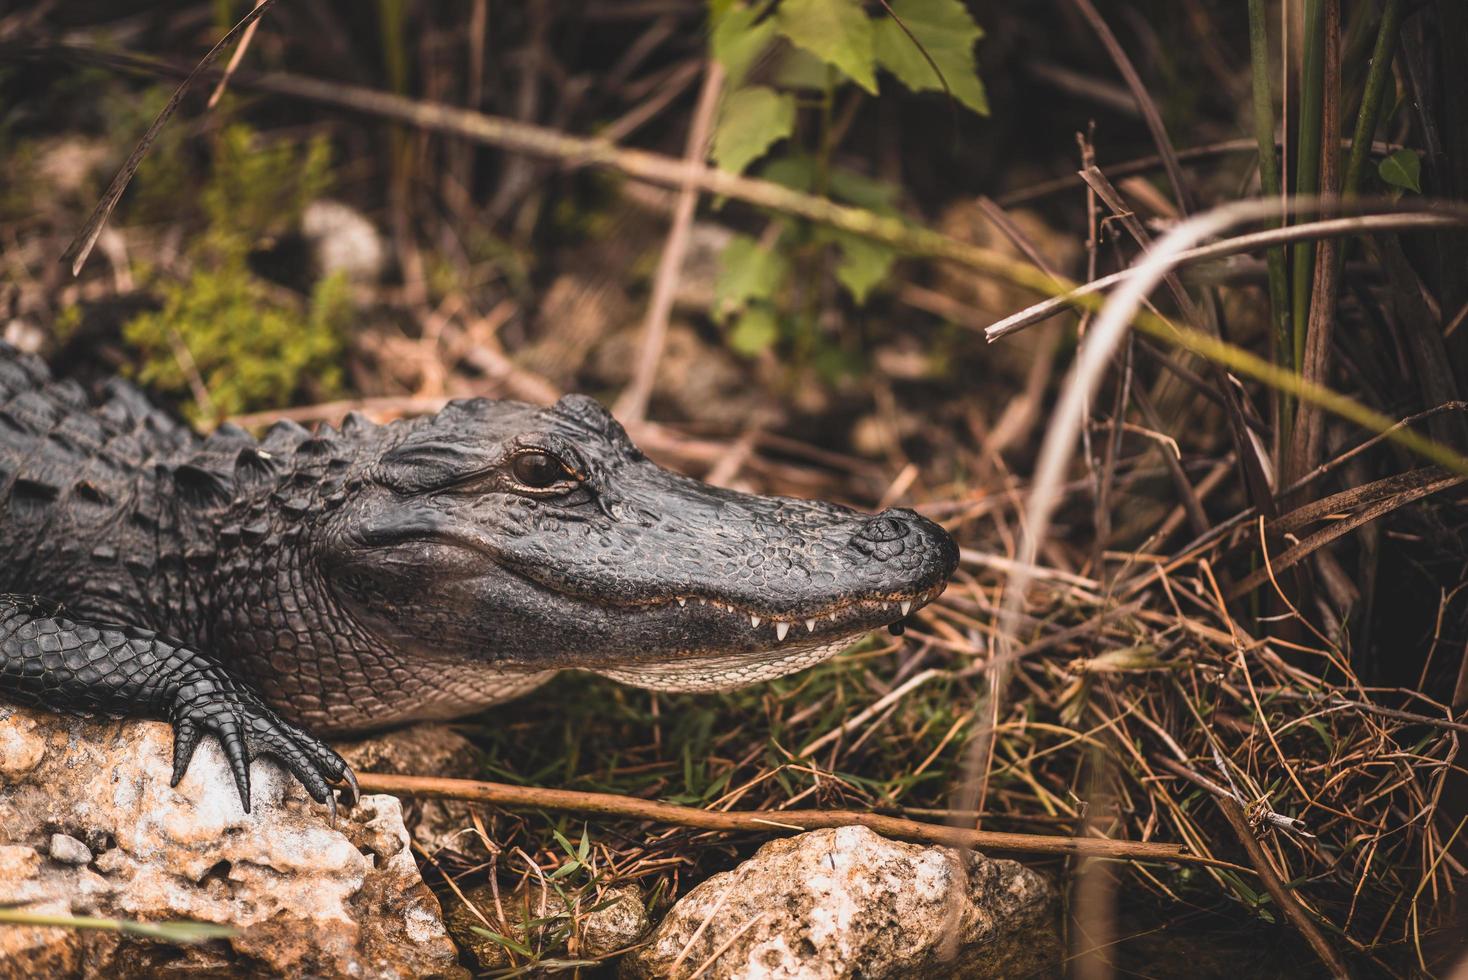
[
  {"x": 864, "y": 265},
  {"x": 752, "y": 120},
  {"x": 1402, "y": 169},
  {"x": 755, "y": 332},
  {"x": 748, "y": 272},
  {"x": 836, "y": 31},
  {"x": 737, "y": 42},
  {"x": 945, "y": 29}
]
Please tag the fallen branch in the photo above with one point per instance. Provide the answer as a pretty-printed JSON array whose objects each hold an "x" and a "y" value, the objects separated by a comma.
[{"x": 763, "y": 821}]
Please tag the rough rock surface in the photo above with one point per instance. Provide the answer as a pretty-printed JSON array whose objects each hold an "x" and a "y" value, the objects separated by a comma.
[
  {"x": 307, "y": 899},
  {"x": 425, "y": 750},
  {"x": 848, "y": 903},
  {"x": 595, "y": 924}
]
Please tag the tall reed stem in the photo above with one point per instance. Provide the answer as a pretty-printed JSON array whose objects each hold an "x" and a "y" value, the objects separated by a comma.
[
  {"x": 1376, "y": 78},
  {"x": 1271, "y": 186},
  {"x": 1307, "y": 165}
]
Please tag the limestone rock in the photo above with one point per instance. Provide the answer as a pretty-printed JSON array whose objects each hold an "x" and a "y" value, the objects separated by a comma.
[
  {"x": 305, "y": 898},
  {"x": 618, "y": 918},
  {"x": 343, "y": 241},
  {"x": 425, "y": 750},
  {"x": 69, "y": 850},
  {"x": 847, "y": 903}
]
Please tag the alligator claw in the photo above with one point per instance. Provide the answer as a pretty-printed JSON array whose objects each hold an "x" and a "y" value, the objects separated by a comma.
[
  {"x": 246, "y": 728},
  {"x": 352, "y": 792}
]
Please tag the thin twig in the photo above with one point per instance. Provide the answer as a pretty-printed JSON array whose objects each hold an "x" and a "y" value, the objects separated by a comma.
[
  {"x": 631, "y": 807},
  {"x": 1144, "y": 102},
  {"x": 234, "y": 61},
  {"x": 632, "y": 406},
  {"x": 1237, "y": 245}
]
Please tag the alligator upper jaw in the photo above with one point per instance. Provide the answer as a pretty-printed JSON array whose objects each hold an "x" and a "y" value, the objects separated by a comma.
[{"x": 836, "y": 617}]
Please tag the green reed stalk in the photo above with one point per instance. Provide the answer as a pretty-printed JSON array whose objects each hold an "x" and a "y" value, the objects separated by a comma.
[
  {"x": 1307, "y": 165},
  {"x": 1270, "y": 186},
  {"x": 1376, "y": 78}
]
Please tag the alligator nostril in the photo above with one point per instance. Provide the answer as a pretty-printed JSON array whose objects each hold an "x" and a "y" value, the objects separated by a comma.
[
  {"x": 882, "y": 537},
  {"x": 884, "y": 528}
]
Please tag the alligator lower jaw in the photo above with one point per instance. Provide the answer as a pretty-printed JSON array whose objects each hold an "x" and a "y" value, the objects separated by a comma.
[{"x": 701, "y": 673}]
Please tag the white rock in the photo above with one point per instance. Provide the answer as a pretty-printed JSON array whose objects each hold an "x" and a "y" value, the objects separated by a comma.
[
  {"x": 343, "y": 240},
  {"x": 69, "y": 850},
  {"x": 307, "y": 899},
  {"x": 847, "y": 903}
]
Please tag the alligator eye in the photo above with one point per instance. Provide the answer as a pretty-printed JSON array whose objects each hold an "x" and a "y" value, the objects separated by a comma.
[{"x": 538, "y": 470}]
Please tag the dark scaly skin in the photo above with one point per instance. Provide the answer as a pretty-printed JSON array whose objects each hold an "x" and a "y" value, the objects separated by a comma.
[
  {"x": 350, "y": 580},
  {"x": 47, "y": 659}
]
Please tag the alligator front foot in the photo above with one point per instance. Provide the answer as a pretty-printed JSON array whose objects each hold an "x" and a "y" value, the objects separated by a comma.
[
  {"x": 208, "y": 702},
  {"x": 67, "y": 665}
]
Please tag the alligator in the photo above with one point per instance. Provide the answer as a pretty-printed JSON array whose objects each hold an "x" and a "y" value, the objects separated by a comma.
[{"x": 269, "y": 592}]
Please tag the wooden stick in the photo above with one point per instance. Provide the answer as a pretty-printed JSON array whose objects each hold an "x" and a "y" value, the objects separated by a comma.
[
  {"x": 632, "y": 405},
  {"x": 763, "y": 821}
]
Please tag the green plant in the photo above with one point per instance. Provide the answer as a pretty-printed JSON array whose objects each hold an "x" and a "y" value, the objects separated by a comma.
[
  {"x": 221, "y": 329},
  {"x": 784, "y": 66},
  {"x": 223, "y": 334}
]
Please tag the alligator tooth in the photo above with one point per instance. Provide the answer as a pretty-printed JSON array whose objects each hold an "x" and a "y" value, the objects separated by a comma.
[
  {"x": 781, "y": 629},
  {"x": 832, "y": 617},
  {"x": 682, "y": 602},
  {"x": 810, "y": 625},
  {"x": 906, "y": 607},
  {"x": 754, "y": 621}
]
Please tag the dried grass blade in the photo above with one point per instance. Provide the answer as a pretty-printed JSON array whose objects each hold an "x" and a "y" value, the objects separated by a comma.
[{"x": 81, "y": 246}]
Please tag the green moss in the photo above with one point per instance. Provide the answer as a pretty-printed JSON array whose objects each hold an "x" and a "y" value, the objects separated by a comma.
[
  {"x": 249, "y": 344},
  {"x": 68, "y": 321},
  {"x": 249, "y": 351},
  {"x": 257, "y": 190}
]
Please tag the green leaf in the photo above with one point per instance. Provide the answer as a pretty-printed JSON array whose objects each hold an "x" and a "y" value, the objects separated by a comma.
[
  {"x": 752, "y": 120},
  {"x": 865, "y": 192},
  {"x": 174, "y": 932},
  {"x": 836, "y": 31},
  {"x": 864, "y": 264},
  {"x": 797, "y": 172},
  {"x": 502, "y": 940},
  {"x": 569, "y": 868},
  {"x": 797, "y": 69},
  {"x": 737, "y": 42},
  {"x": 755, "y": 332},
  {"x": 946, "y": 31},
  {"x": 1402, "y": 169},
  {"x": 747, "y": 272}
]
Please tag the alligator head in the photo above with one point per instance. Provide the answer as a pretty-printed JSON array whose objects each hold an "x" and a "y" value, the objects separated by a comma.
[{"x": 537, "y": 539}]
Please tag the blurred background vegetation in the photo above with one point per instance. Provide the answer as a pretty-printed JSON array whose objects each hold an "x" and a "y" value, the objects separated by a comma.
[{"x": 298, "y": 248}]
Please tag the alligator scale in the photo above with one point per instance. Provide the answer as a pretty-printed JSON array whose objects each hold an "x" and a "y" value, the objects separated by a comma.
[{"x": 352, "y": 579}]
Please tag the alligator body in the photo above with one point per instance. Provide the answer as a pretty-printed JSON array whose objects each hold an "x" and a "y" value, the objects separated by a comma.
[{"x": 334, "y": 582}]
